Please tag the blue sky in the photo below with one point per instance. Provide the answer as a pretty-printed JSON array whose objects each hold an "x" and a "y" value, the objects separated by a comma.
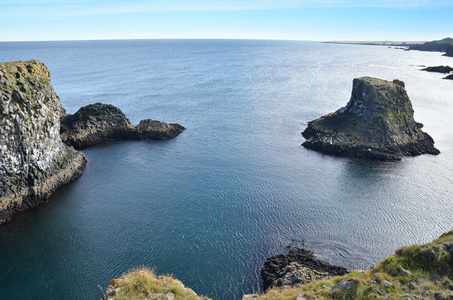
[{"x": 30, "y": 20}]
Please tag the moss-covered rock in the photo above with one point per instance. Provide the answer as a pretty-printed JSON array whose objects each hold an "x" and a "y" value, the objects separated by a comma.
[
  {"x": 33, "y": 160},
  {"x": 142, "y": 283},
  {"x": 377, "y": 123},
  {"x": 98, "y": 123}
]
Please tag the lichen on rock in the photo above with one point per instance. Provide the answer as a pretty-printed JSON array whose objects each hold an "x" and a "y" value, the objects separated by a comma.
[
  {"x": 34, "y": 162},
  {"x": 377, "y": 123}
]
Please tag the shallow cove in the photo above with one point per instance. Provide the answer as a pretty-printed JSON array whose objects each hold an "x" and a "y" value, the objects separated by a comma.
[{"x": 234, "y": 188}]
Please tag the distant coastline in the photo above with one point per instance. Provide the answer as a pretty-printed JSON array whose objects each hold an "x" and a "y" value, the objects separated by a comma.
[{"x": 379, "y": 43}]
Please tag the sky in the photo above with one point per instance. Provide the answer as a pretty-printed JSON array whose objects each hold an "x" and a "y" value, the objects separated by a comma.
[{"x": 322, "y": 20}]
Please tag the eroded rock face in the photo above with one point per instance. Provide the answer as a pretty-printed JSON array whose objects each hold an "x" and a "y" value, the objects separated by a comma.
[
  {"x": 34, "y": 162},
  {"x": 377, "y": 123},
  {"x": 98, "y": 123}
]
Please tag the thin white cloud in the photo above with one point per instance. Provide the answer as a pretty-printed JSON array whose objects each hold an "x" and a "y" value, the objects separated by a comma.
[{"x": 58, "y": 8}]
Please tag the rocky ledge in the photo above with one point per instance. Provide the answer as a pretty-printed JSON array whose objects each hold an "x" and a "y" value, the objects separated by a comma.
[
  {"x": 98, "y": 123},
  {"x": 34, "y": 161},
  {"x": 377, "y": 123},
  {"x": 296, "y": 268}
]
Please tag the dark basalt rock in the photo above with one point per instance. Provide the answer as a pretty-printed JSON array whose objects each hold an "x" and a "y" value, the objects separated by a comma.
[
  {"x": 449, "y": 50},
  {"x": 439, "y": 69},
  {"x": 33, "y": 160},
  {"x": 98, "y": 123},
  {"x": 448, "y": 77},
  {"x": 377, "y": 123},
  {"x": 299, "y": 266}
]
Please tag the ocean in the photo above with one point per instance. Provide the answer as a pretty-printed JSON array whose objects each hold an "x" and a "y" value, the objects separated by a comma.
[{"x": 236, "y": 186}]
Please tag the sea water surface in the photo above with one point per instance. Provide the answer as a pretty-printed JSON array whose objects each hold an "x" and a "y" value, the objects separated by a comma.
[{"x": 237, "y": 186}]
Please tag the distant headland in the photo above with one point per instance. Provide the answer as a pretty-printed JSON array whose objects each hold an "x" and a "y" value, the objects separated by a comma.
[{"x": 443, "y": 45}]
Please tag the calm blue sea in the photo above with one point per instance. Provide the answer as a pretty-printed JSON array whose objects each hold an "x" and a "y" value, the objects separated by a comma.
[{"x": 237, "y": 186}]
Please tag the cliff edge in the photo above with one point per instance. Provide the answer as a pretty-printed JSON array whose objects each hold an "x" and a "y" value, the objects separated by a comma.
[
  {"x": 377, "y": 123},
  {"x": 34, "y": 162}
]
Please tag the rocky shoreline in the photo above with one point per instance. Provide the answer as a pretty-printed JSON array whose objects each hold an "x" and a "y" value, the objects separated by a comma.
[
  {"x": 296, "y": 268},
  {"x": 377, "y": 123}
]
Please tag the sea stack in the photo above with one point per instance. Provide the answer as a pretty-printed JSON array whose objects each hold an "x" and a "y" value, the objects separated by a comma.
[
  {"x": 377, "y": 123},
  {"x": 34, "y": 161}
]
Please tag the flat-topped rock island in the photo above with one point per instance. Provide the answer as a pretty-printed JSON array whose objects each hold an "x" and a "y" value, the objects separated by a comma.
[{"x": 377, "y": 123}]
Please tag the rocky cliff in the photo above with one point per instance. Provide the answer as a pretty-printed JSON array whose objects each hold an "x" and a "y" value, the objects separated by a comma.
[
  {"x": 438, "y": 45},
  {"x": 98, "y": 123},
  {"x": 449, "y": 50},
  {"x": 377, "y": 123},
  {"x": 34, "y": 162}
]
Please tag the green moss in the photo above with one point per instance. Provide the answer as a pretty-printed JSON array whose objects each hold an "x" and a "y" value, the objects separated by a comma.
[
  {"x": 44, "y": 80},
  {"x": 84, "y": 113}
]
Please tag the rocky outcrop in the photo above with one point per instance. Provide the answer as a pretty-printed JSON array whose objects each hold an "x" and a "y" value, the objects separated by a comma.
[
  {"x": 439, "y": 69},
  {"x": 142, "y": 283},
  {"x": 438, "y": 45},
  {"x": 98, "y": 123},
  {"x": 377, "y": 123},
  {"x": 296, "y": 268},
  {"x": 449, "y": 50},
  {"x": 448, "y": 77},
  {"x": 34, "y": 161}
]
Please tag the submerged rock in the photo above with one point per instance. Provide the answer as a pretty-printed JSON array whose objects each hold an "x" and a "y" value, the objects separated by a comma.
[
  {"x": 34, "y": 161},
  {"x": 98, "y": 123},
  {"x": 296, "y": 268},
  {"x": 377, "y": 123}
]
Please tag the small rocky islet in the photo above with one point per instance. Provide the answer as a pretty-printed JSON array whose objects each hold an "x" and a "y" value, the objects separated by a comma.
[
  {"x": 377, "y": 123},
  {"x": 99, "y": 123}
]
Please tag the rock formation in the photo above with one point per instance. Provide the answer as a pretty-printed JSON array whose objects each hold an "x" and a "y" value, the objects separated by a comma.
[
  {"x": 448, "y": 77},
  {"x": 34, "y": 162},
  {"x": 377, "y": 123},
  {"x": 98, "y": 123},
  {"x": 296, "y": 268},
  {"x": 438, "y": 45},
  {"x": 449, "y": 50}
]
